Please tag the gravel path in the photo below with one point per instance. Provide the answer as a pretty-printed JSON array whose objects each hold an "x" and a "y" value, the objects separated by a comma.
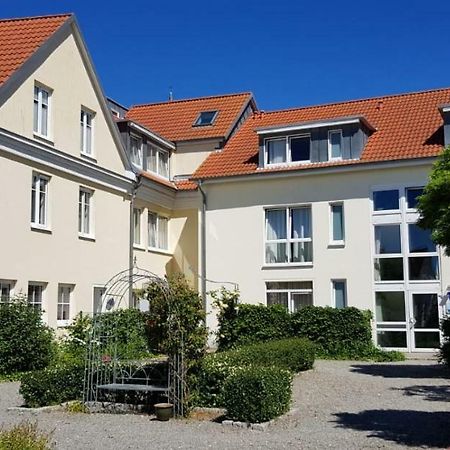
[{"x": 341, "y": 404}]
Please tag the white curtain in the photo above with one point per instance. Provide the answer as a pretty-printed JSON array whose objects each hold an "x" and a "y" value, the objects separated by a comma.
[
  {"x": 276, "y": 151},
  {"x": 276, "y": 224},
  {"x": 301, "y": 223}
]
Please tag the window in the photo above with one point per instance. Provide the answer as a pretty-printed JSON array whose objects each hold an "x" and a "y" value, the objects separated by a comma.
[
  {"x": 337, "y": 223},
  {"x": 85, "y": 227},
  {"x": 63, "y": 311},
  {"x": 158, "y": 161},
  {"x": 158, "y": 231},
  {"x": 86, "y": 122},
  {"x": 99, "y": 291},
  {"x": 423, "y": 261},
  {"x": 205, "y": 118},
  {"x": 386, "y": 200},
  {"x": 41, "y": 111},
  {"x": 387, "y": 239},
  {"x": 137, "y": 214},
  {"x": 5, "y": 290},
  {"x": 136, "y": 150},
  {"x": 288, "y": 149},
  {"x": 390, "y": 306},
  {"x": 339, "y": 293},
  {"x": 334, "y": 144},
  {"x": 39, "y": 200},
  {"x": 35, "y": 295},
  {"x": 412, "y": 194},
  {"x": 294, "y": 295},
  {"x": 288, "y": 235}
]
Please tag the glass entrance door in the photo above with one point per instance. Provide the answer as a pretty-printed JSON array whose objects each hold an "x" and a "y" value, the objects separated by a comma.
[{"x": 424, "y": 322}]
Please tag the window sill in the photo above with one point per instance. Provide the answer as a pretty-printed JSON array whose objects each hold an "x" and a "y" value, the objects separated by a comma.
[
  {"x": 157, "y": 175},
  {"x": 287, "y": 266},
  {"x": 160, "y": 251},
  {"x": 138, "y": 247},
  {"x": 42, "y": 138},
  {"x": 88, "y": 157},
  {"x": 336, "y": 244},
  {"x": 62, "y": 323},
  {"x": 41, "y": 228},
  {"x": 86, "y": 237}
]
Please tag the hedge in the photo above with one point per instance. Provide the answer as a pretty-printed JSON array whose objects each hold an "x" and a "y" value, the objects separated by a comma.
[
  {"x": 293, "y": 354},
  {"x": 53, "y": 385},
  {"x": 444, "y": 354},
  {"x": 257, "y": 394}
]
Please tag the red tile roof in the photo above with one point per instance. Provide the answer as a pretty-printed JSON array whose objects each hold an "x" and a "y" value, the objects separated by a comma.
[
  {"x": 174, "y": 119},
  {"x": 20, "y": 38},
  {"x": 178, "y": 185},
  {"x": 407, "y": 126}
]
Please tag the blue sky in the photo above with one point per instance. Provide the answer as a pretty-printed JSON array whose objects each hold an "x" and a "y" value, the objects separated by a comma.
[{"x": 287, "y": 52}]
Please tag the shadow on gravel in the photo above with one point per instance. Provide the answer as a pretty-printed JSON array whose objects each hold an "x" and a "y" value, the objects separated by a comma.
[
  {"x": 402, "y": 370},
  {"x": 432, "y": 393},
  {"x": 405, "y": 427}
]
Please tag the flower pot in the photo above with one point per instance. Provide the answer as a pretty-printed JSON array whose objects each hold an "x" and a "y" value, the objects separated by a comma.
[{"x": 164, "y": 411}]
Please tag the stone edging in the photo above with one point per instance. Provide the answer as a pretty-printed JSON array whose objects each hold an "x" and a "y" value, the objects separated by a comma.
[{"x": 256, "y": 426}]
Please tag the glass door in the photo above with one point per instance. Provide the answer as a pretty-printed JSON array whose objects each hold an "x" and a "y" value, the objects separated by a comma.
[{"x": 424, "y": 321}]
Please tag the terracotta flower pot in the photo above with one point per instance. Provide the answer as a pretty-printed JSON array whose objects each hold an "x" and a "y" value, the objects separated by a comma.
[{"x": 164, "y": 411}]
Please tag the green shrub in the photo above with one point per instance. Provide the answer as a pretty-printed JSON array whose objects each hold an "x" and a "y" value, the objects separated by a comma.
[
  {"x": 444, "y": 353},
  {"x": 241, "y": 324},
  {"x": 24, "y": 436},
  {"x": 25, "y": 342},
  {"x": 53, "y": 385},
  {"x": 257, "y": 394}
]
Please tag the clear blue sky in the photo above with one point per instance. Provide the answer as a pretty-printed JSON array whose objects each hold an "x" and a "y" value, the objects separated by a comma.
[{"x": 287, "y": 52}]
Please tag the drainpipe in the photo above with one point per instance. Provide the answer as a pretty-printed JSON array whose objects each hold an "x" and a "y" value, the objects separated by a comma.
[
  {"x": 134, "y": 189},
  {"x": 203, "y": 244}
]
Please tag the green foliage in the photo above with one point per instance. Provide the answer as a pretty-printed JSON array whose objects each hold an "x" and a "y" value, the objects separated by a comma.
[
  {"x": 241, "y": 324},
  {"x": 76, "y": 406},
  {"x": 444, "y": 353},
  {"x": 25, "y": 342},
  {"x": 24, "y": 436},
  {"x": 53, "y": 385},
  {"x": 293, "y": 354},
  {"x": 434, "y": 204},
  {"x": 257, "y": 394}
]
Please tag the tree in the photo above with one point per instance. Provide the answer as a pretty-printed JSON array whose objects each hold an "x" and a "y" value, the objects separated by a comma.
[{"x": 434, "y": 204}]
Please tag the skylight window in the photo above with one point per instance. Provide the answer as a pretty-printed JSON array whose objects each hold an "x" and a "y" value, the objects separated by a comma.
[{"x": 205, "y": 118}]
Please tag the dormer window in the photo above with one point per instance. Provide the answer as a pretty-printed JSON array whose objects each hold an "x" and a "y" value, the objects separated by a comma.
[
  {"x": 136, "y": 150},
  {"x": 334, "y": 145},
  {"x": 288, "y": 149},
  {"x": 205, "y": 118},
  {"x": 158, "y": 161}
]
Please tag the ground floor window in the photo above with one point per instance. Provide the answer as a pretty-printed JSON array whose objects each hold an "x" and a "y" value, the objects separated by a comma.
[
  {"x": 339, "y": 293},
  {"x": 35, "y": 295},
  {"x": 294, "y": 295},
  {"x": 6, "y": 287},
  {"x": 64, "y": 304},
  {"x": 99, "y": 291}
]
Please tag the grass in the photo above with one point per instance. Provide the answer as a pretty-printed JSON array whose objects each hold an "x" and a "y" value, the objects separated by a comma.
[{"x": 25, "y": 436}]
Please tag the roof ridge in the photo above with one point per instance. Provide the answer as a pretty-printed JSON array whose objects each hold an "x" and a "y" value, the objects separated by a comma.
[
  {"x": 379, "y": 97},
  {"x": 192, "y": 99},
  {"x": 45, "y": 16}
]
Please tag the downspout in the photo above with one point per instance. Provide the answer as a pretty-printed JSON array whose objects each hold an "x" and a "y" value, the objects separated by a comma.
[
  {"x": 203, "y": 244},
  {"x": 134, "y": 189}
]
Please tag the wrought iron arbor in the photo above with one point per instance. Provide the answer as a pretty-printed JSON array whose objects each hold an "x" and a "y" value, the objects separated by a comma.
[{"x": 106, "y": 371}]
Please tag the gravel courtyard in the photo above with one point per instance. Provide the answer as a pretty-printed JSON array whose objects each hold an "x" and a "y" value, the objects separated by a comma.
[{"x": 341, "y": 404}]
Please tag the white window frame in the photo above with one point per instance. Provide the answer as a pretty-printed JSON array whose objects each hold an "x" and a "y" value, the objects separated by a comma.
[
  {"x": 96, "y": 288},
  {"x": 7, "y": 284},
  {"x": 333, "y": 291},
  {"x": 140, "y": 154},
  {"x": 43, "y": 287},
  {"x": 137, "y": 213},
  {"x": 70, "y": 288},
  {"x": 287, "y": 154},
  {"x": 333, "y": 242},
  {"x": 288, "y": 240},
  {"x": 85, "y": 112},
  {"x": 42, "y": 88},
  {"x": 159, "y": 247},
  {"x": 290, "y": 291},
  {"x": 330, "y": 132},
  {"x": 84, "y": 193},
  {"x": 158, "y": 152},
  {"x": 35, "y": 193}
]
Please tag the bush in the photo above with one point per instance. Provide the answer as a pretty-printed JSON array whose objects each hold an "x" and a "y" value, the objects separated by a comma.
[
  {"x": 25, "y": 342},
  {"x": 293, "y": 354},
  {"x": 242, "y": 324},
  {"x": 24, "y": 436},
  {"x": 53, "y": 385},
  {"x": 444, "y": 353},
  {"x": 257, "y": 394}
]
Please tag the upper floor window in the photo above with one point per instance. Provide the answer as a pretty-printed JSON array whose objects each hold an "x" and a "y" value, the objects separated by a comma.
[
  {"x": 86, "y": 124},
  {"x": 337, "y": 223},
  {"x": 137, "y": 215},
  {"x": 158, "y": 231},
  {"x": 85, "y": 225},
  {"x": 41, "y": 110},
  {"x": 136, "y": 150},
  {"x": 205, "y": 118},
  {"x": 386, "y": 200},
  {"x": 288, "y": 236},
  {"x": 39, "y": 200},
  {"x": 158, "y": 161},
  {"x": 334, "y": 145},
  {"x": 288, "y": 149},
  {"x": 412, "y": 195}
]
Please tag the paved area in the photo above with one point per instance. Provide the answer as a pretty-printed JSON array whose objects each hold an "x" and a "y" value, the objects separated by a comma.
[{"x": 341, "y": 404}]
